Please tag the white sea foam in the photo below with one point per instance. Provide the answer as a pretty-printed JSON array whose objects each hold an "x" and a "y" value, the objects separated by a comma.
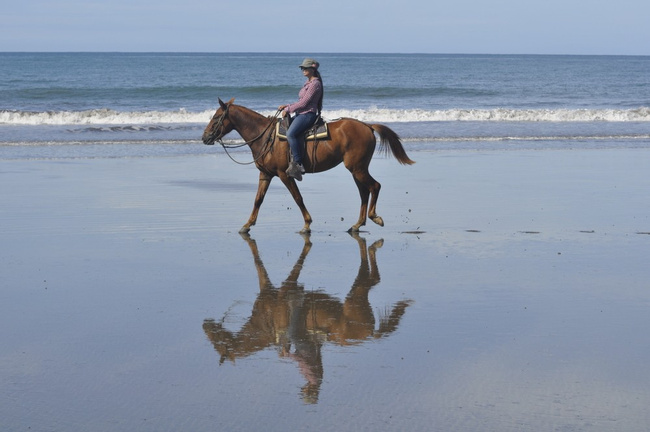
[
  {"x": 497, "y": 115},
  {"x": 103, "y": 117},
  {"x": 112, "y": 117}
]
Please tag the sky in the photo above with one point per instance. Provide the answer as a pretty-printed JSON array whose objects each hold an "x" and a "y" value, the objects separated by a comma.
[{"x": 601, "y": 27}]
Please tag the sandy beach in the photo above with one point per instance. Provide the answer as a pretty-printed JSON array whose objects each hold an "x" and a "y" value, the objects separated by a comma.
[{"x": 507, "y": 291}]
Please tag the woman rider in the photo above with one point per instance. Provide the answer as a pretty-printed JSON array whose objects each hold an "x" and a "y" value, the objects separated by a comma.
[{"x": 306, "y": 110}]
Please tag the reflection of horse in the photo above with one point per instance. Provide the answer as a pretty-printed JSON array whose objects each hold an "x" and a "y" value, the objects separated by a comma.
[
  {"x": 289, "y": 316},
  {"x": 352, "y": 142}
]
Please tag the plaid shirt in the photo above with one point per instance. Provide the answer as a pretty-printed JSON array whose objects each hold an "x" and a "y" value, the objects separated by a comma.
[{"x": 308, "y": 98}]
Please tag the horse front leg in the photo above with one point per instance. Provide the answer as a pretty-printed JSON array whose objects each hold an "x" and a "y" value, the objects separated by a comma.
[
  {"x": 262, "y": 187},
  {"x": 290, "y": 183}
]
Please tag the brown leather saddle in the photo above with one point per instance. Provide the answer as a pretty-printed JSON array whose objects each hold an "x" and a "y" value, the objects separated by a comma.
[{"x": 319, "y": 131}]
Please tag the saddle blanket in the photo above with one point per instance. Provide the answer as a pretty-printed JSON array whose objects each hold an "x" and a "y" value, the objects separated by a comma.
[{"x": 320, "y": 131}]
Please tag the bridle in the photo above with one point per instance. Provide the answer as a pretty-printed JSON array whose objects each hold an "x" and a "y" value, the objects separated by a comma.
[
  {"x": 267, "y": 146},
  {"x": 219, "y": 126}
]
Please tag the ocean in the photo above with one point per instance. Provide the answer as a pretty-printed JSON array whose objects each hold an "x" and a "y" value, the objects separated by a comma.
[{"x": 85, "y": 105}]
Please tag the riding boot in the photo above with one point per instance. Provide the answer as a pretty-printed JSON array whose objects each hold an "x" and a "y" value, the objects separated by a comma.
[{"x": 295, "y": 170}]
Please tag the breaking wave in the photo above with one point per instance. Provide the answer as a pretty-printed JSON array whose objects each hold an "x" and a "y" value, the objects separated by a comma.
[
  {"x": 113, "y": 117},
  {"x": 499, "y": 115},
  {"x": 102, "y": 117}
]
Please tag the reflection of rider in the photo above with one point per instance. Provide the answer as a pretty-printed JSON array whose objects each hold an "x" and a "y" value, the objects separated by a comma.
[
  {"x": 307, "y": 347},
  {"x": 307, "y": 110}
]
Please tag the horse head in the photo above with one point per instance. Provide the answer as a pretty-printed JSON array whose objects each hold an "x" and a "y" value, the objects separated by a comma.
[
  {"x": 223, "y": 340},
  {"x": 219, "y": 125}
]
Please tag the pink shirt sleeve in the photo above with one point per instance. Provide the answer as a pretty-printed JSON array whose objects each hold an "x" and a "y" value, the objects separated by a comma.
[{"x": 308, "y": 98}]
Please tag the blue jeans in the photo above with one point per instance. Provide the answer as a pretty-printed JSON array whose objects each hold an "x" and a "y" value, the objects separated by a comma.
[{"x": 296, "y": 134}]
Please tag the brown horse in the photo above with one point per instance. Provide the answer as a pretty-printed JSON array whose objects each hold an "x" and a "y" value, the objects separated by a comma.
[
  {"x": 351, "y": 142},
  {"x": 298, "y": 322}
]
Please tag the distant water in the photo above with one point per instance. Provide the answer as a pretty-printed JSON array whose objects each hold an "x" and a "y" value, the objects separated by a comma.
[{"x": 92, "y": 104}]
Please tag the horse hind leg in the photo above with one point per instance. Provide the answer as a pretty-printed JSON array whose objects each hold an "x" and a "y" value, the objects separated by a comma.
[
  {"x": 372, "y": 212},
  {"x": 374, "y": 187},
  {"x": 364, "y": 194},
  {"x": 368, "y": 191}
]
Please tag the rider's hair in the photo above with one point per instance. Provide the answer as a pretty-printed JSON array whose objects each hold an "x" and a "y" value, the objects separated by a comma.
[{"x": 322, "y": 86}]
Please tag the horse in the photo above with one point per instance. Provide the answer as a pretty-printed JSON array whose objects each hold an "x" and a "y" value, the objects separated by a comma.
[
  {"x": 298, "y": 322},
  {"x": 350, "y": 141}
]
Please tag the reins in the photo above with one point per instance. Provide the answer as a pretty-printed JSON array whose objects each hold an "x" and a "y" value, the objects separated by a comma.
[{"x": 266, "y": 148}]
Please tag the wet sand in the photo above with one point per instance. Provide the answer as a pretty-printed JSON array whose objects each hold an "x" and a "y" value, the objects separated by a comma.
[{"x": 508, "y": 291}]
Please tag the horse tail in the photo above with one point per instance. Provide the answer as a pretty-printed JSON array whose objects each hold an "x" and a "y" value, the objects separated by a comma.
[{"x": 390, "y": 140}]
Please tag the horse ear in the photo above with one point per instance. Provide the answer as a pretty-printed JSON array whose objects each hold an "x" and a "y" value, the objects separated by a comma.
[{"x": 227, "y": 104}]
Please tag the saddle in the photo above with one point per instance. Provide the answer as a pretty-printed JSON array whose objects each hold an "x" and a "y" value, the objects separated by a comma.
[{"x": 319, "y": 131}]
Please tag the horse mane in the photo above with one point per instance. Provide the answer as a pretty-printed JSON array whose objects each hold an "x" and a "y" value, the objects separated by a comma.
[{"x": 251, "y": 117}]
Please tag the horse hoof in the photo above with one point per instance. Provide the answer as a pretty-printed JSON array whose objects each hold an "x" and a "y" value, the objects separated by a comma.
[
  {"x": 378, "y": 220},
  {"x": 244, "y": 230},
  {"x": 353, "y": 229}
]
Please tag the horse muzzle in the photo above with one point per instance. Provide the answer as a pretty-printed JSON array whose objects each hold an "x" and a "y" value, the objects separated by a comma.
[{"x": 208, "y": 139}]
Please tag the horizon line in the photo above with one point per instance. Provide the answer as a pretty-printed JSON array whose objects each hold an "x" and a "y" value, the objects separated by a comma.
[{"x": 317, "y": 53}]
